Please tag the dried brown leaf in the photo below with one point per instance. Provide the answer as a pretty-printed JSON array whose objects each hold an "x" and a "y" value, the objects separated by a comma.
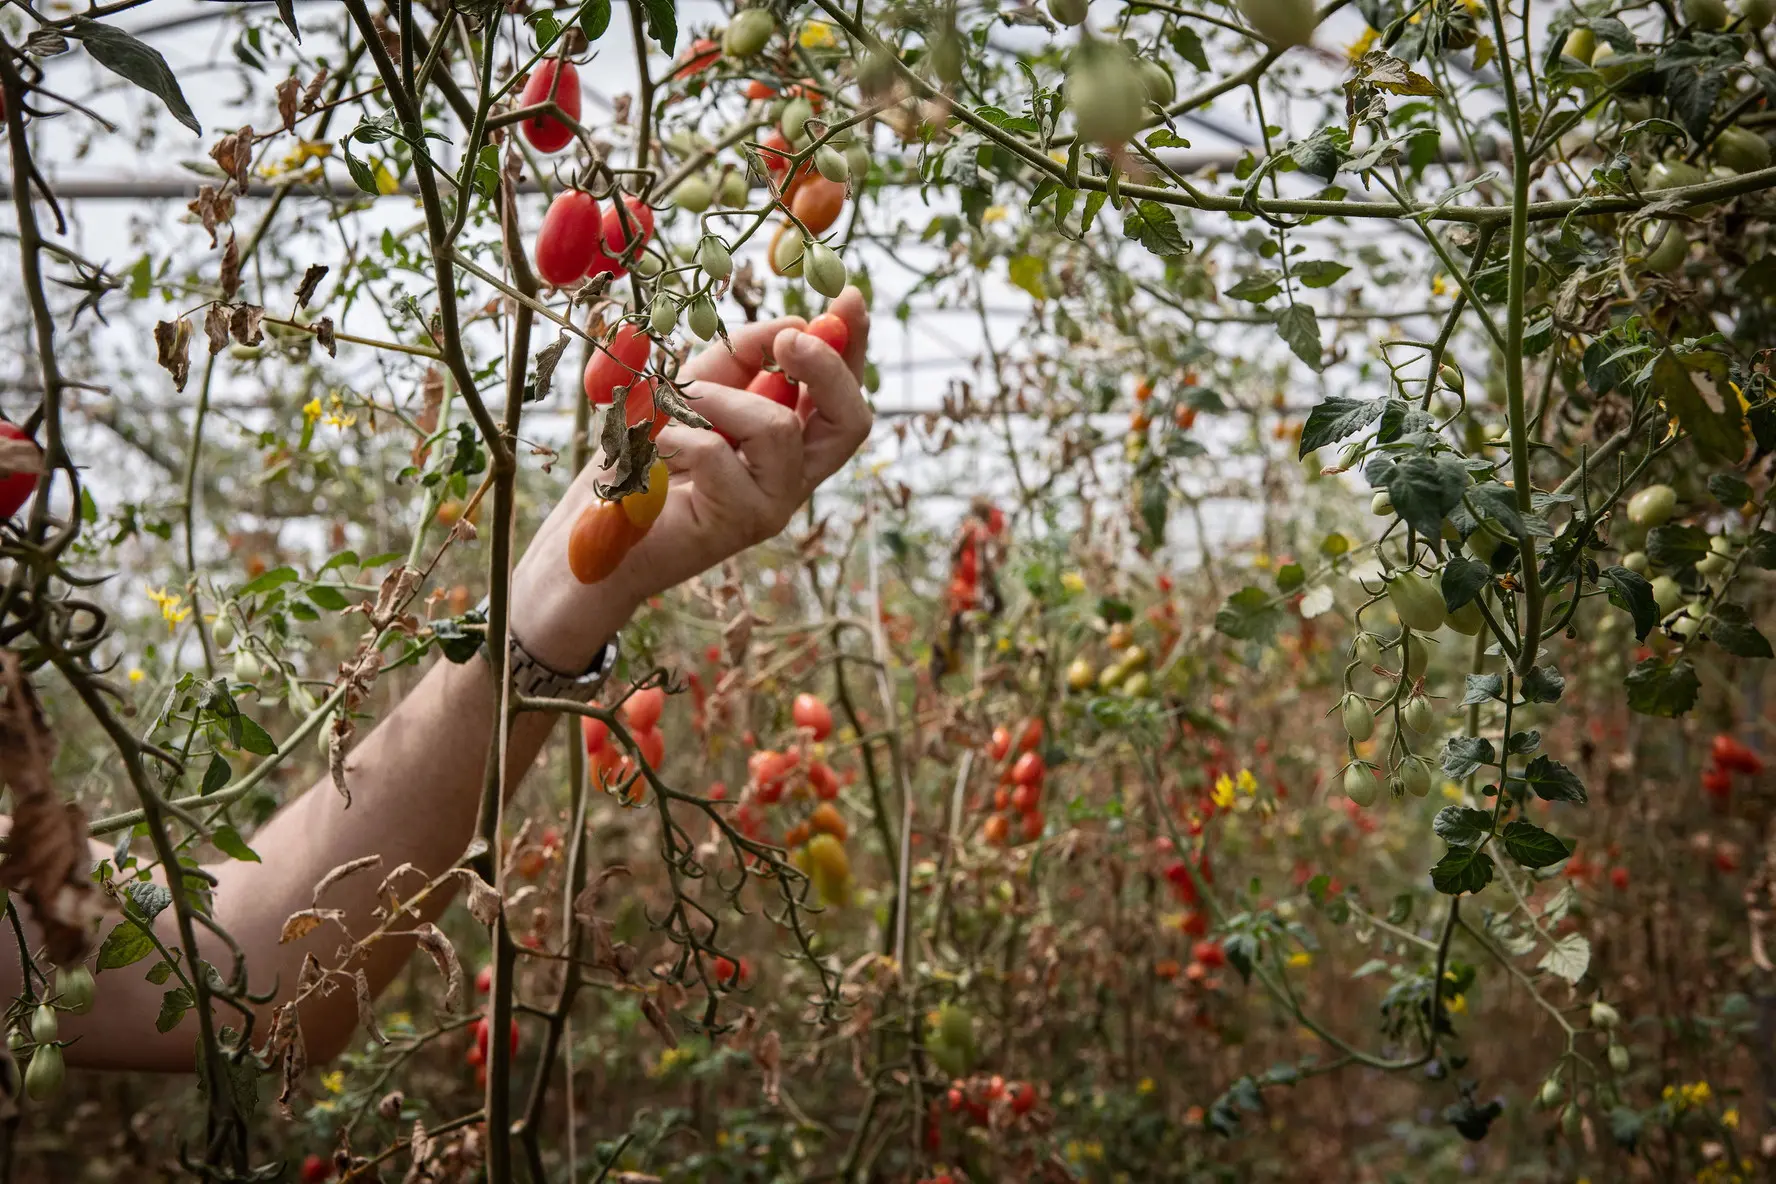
[
  {"x": 367, "y": 1007},
  {"x": 484, "y": 899},
  {"x": 289, "y": 93},
  {"x": 311, "y": 279},
  {"x": 312, "y": 93},
  {"x": 769, "y": 1055},
  {"x": 323, "y": 331},
  {"x": 233, "y": 154},
  {"x": 172, "y": 345},
  {"x": 216, "y": 327},
  {"x": 431, "y": 391},
  {"x": 432, "y": 940},
  {"x": 547, "y": 359},
  {"x": 300, "y": 924},
  {"x": 342, "y": 871},
  {"x": 657, "y": 1019},
  {"x": 230, "y": 276},
  {"x": 245, "y": 324},
  {"x": 212, "y": 208}
]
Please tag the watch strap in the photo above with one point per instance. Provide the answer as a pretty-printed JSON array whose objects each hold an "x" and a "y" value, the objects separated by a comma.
[{"x": 533, "y": 679}]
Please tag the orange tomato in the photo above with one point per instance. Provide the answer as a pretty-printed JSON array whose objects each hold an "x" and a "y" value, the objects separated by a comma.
[
  {"x": 652, "y": 744},
  {"x": 601, "y": 537},
  {"x": 826, "y": 820},
  {"x": 997, "y": 830},
  {"x": 817, "y": 203}
]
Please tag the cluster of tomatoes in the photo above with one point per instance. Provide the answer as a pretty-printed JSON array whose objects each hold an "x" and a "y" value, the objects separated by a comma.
[
  {"x": 612, "y": 769},
  {"x": 1728, "y": 756},
  {"x": 798, "y": 779},
  {"x": 1021, "y": 780},
  {"x": 979, "y": 1101},
  {"x": 982, "y": 529},
  {"x": 477, "y": 1053}
]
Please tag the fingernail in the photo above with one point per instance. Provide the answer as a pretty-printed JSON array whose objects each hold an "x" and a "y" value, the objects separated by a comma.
[{"x": 796, "y": 340}]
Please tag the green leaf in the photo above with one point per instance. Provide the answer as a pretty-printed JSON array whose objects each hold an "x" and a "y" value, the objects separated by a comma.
[
  {"x": 1290, "y": 577},
  {"x": 229, "y": 842},
  {"x": 173, "y": 1006},
  {"x": 1633, "y": 593},
  {"x": 1462, "y": 870},
  {"x": 1257, "y": 287},
  {"x": 266, "y": 581},
  {"x": 1463, "y": 754},
  {"x": 1729, "y": 489},
  {"x": 1734, "y": 632},
  {"x": 1719, "y": 432},
  {"x": 1188, "y": 45},
  {"x": 148, "y": 898},
  {"x": 1318, "y": 273},
  {"x": 595, "y": 18},
  {"x": 1463, "y": 578},
  {"x": 1663, "y": 689},
  {"x": 1425, "y": 489},
  {"x": 256, "y": 739},
  {"x": 1336, "y": 418},
  {"x": 216, "y": 774},
  {"x": 1249, "y": 615},
  {"x": 1462, "y": 826},
  {"x": 1553, "y": 781},
  {"x": 1523, "y": 743},
  {"x": 287, "y": 14},
  {"x": 1532, "y": 846},
  {"x": 126, "y": 944},
  {"x": 1543, "y": 684},
  {"x": 1676, "y": 545},
  {"x": 159, "y": 972},
  {"x": 327, "y": 596},
  {"x": 1760, "y": 551},
  {"x": 1025, "y": 271},
  {"x": 1569, "y": 959},
  {"x": 1164, "y": 137},
  {"x": 662, "y": 23},
  {"x": 1301, "y": 331},
  {"x": 1481, "y": 687},
  {"x": 1155, "y": 227},
  {"x": 137, "y": 61}
]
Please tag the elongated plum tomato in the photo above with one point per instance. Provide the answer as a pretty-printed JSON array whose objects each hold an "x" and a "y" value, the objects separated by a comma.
[
  {"x": 643, "y": 708},
  {"x": 832, "y": 329},
  {"x": 817, "y": 203},
  {"x": 644, "y": 506},
  {"x": 652, "y": 743},
  {"x": 622, "y": 236},
  {"x": 617, "y": 363},
  {"x": 638, "y": 407},
  {"x": 596, "y": 733},
  {"x": 601, "y": 537},
  {"x": 775, "y": 386},
  {"x": 569, "y": 238},
  {"x": 545, "y": 132},
  {"x": 775, "y": 151},
  {"x": 1000, "y": 744},
  {"x": 703, "y": 53},
  {"x": 1029, "y": 769},
  {"x": 809, "y": 712},
  {"x": 15, "y": 488}
]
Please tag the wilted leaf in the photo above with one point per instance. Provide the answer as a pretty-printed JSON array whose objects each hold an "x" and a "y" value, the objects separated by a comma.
[{"x": 172, "y": 344}]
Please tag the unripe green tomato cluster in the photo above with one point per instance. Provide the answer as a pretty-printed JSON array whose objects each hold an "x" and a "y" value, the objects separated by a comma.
[{"x": 1417, "y": 602}]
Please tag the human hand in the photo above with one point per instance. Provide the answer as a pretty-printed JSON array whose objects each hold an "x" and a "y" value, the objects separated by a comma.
[{"x": 724, "y": 498}]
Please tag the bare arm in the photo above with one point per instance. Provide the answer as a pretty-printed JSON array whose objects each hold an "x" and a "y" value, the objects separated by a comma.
[{"x": 416, "y": 778}]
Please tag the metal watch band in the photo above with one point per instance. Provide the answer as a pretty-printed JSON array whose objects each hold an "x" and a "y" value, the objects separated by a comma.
[{"x": 534, "y": 680}]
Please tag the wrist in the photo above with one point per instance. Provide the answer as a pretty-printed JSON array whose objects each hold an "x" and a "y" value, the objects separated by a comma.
[{"x": 562, "y": 623}]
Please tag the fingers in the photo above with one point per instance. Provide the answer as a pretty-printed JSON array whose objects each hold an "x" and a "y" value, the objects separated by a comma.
[
  {"x": 850, "y": 308},
  {"x": 715, "y": 364},
  {"x": 838, "y": 418},
  {"x": 768, "y": 435}
]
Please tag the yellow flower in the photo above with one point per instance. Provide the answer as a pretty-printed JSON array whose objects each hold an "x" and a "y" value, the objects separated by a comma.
[
  {"x": 1247, "y": 783},
  {"x": 995, "y": 214},
  {"x": 311, "y": 410},
  {"x": 1145, "y": 1086},
  {"x": 1261, "y": 561},
  {"x": 1452, "y": 791},
  {"x": 817, "y": 35},
  {"x": 334, "y": 1082},
  {"x": 1073, "y": 582},
  {"x": 1439, "y": 285},
  {"x": 173, "y": 608},
  {"x": 305, "y": 151},
  {"x": 1457, "y": 1005},
  {"x": 136, "y": 674},
  {"x": 337, "y": 416},
  {"x": 1730, "y": 1119},
  {"x": 1222, "y": 794},
  {"x": 1301, "y": 959},
  {"x": 1361, "y": 45},
  {"x": 1004, "y": 645}
]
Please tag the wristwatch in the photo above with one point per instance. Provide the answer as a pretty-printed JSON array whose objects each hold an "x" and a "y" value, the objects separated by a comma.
[{"x": 534, "y": 680}]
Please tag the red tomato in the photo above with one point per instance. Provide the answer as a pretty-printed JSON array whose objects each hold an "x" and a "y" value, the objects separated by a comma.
[
  {"x": 1029, "y": 769},
  {"x": 775, "y": 386},
  {"x": 1194, "y": 924},
  {"x": 995, "y": 1088},
  {"x": 596, "y": 733},
  {"x": 1179, "y": 875},
  {"x": 718, "y": 791},
  {"x": 1733, "y": 756},
  {"x": 727, "y": 973},
  {"x": 1031, "y": 736},
  {"x": 955, "y": 1098},
  {"x": 1726, "y": 858},
  {"x": 545, "y": 132},
  {"x": 703, "y": 53},
  {"x": 643, "y": 709},
  {"x": 817, "y": 202},
  {"x": 826, "y": 785},
  {"x": 832, "y": 329},
  {"x": 484, "y": 980},
  {"x": 623, "y": 238},
  {"x": 481, "y": 1029},
  {"x": 652, "y": 743},
  {"x": 775, "y": 151},
  {"x": 1717, "y": 782},
  {"x": 1023, "y": 1098},
  {"x": 568, "y": 239},
  {"x": 1000, "y": 744},
  {"x": 1026, "y": 798},
  {"x": 757, "y": 89},
  {"x": 15, "y": 488},
  {"x": 1209, "y": 953},
  {"x": 997, "y": 830},
  {"x": 1032, "y": 824},
  {"x": 618, "y": 363},
  {"x": 601, "y": 537},
  {"x": 1619, "y": 878},
  {"x": 315, "y": 1170},
  {"x": 809, "y": 712}
]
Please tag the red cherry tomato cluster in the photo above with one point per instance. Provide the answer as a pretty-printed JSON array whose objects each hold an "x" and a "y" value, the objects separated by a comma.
[
  {"x": 975, "y": 1098},
  {"x": 476, "y": 1057},
  {"x": 316, "y": 1169},
  {"x": 982, "y": 536},
  {"x": 576, "y": 241},
  {"x": 732, "y": 973},
  {"x": 532, "y": 859},
  {"x": 612, "y": 769},
  {"x": 1728, "y": 756},
  {"x": 16, "y": 488},
  {"x": 1020, "y": 784}
]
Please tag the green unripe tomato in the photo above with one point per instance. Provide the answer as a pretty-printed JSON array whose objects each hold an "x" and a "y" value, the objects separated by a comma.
[
  {"x": 1570, "y": 1118},
  {"x": 1069, "y": 12},
  {"x": 1670, "y": 249},
  {"x": 44, "y": 1027},
  {"x": 1612, "y": 71},
  {"x": 830, "y": 163},
  {"x": 714, "y": 259},
  {"x": 694, "y": 194},
  {"x": 1467, "y": 620},
  {"x": 793, "y": 123},
  {"x": 952, "y": 1060},
  {"x": 1109, "y": 104},
  {"x": 1618, "y": 1057},
  {"x": 1359, "y": 721},
  {"x": 1381, "y": 504},
  {"x": 44, "y": 1075},
  {"x": 1368, "y": 649},
  {"x": 1453, "y": 378},
  {"x": 1721, "y": 544},
  {"x": 1636, "y": 561},
  {"x": 1156, "y": 80},
  {"x": 246, "y": 668},
  {"x": 786, "y": 255},
  {"x": 703, "y": 320},
  {"x": 1551, "y": 1093},
  {"x": 246, "y": 353},
  {"x": 1417, "y": 602},
  {"x": 1741, "y": 150},
  {"x": 1667, "y": 594},
  {"x": 1580, "y": 44},
  {"x": 17, "y": 1039},
  {"x": 1687, "y": 624},
  {"x": 663, "y": 316},
  {"x": 1361, "y": 785},
  {"x": 1111, "y": 676},
  {"x": 1604, "y": 1017},
  {"x": 1756, "y": 13},
  {"x": 955, "y": 1026},
  {"x": 1138, "y": 685},
  {"x": 1417, "y": 714},
  {"x": 1674, "y": 173},
  {"x": 1081, "y": 675},
  {"x": 824, "y": 269},
  {"x": 1652, "y": 506},
  {"x": 1282, "y": 22},
  {"x": 1706, "y": 14},
  {"x": 1415, "y": 775},
  {"x": 1416, "y": 657},
  {"x": 74, "y": 989},
  {"x": 647, "y": 265},
  {"x": 732, "y": 190},
  {"x": 1713, "y": 565},
  {"x": 857, "y": 162},
  {"x": 222, "y": 632},
  {"x": 748, "y": 33}
]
